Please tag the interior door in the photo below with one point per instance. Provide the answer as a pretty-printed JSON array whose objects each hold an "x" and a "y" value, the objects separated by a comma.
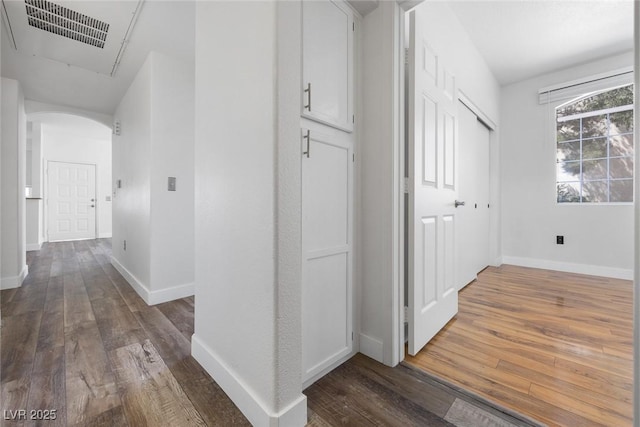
[
  {"x": 327, "y": 63},
  {"x": 483, "y": 187},
  {"x": 467, "y": 233},
  {"x": 327, "y": 204},
  {"x": 433, "y": 295},
  {"x": 71, "y": 202}
]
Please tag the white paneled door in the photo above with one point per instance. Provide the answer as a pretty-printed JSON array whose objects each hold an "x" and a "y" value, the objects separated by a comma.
[
  {"x": 71, "y": 201},
  {"x": 432, "y": 216},
  {"x": 327, "y": 203}
]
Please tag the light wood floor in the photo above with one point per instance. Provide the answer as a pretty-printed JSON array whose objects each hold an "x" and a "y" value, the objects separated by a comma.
[
  {"x": 77, "y": 339},
  {"x": 555, "y": 346}
]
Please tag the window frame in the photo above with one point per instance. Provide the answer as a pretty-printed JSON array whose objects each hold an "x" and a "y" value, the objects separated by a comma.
[{"x": 605, "y": 111}]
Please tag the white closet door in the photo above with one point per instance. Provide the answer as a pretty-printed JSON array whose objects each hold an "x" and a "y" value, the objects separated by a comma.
[
  {"x": 472, "y": 235},
  {"x": 483, "y": 135},
  {"x": 327, "y": 204},
  {"x": 327, "y": 63},
  {"x": 466, "y": 233},
  {"x": 71, "y": 201}
]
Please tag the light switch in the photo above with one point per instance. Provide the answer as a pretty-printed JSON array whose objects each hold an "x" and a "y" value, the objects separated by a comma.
[{"x": 172, "y": 183}]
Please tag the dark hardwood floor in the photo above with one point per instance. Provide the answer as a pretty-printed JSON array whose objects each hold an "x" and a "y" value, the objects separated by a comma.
[{"x": 78, "y": 340}]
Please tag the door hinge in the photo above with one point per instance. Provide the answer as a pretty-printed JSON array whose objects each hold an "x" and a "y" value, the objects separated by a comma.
[
  {"x": 406, "y": 314},
  {"x": 353, "y": 118},
  {"x": 353, "y": 157},
  {"x": 353, "y": 26},
  {"x": 405, "y": 185},
  {"x": 406, "y": 56},
  {"x": 351, "y": 335}
]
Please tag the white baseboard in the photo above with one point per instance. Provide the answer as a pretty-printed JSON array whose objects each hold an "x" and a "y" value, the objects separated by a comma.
[
  {"x": 172, "y": 293},
  {"x": 154, "y": 297},
  {"x": 243, "y": 396},
  {"x": 14, "y": 281},
  {"x": 34, "y": 246},
  {"x": 104, "y": 236},
  {"x": 592, "y": 270},
  {"x": 371, "y": 347},
  {"x": 137, "y": 285}
]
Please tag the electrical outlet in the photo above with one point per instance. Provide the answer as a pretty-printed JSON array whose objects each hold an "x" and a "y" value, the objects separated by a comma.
[
  {"x": 559, "y": 240},
  {"x": 125, "y": 245}
]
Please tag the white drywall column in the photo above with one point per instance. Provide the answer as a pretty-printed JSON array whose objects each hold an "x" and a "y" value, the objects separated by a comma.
[
  {"x": 247, "y": 316},
  {"x": 13, "y": 152},
  {"x": 156, "y": 142},
  {"x": 380, "y": 172},
  {"x": 172, "y": 144}
]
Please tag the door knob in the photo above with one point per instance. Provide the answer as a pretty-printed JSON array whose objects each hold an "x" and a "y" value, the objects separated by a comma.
[
  {"x": 458, "y": 203},
  {"x": 93, "y": 200},
  {"x": 93, "y": 206}
]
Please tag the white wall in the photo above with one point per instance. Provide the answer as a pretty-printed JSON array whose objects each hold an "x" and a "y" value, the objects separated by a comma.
[
  {"x": 247, "y": 315},
  {"x": 156, "y": 142},
  {"x": 132, "y": 168},
  {"x": 172, "y": 144},
  {"x": 380, "y": 171},
  {"x": 598, "y": 239},
  {"x": 12, "y": 200},
  {"x": 381, "y": 159},
  {"x": 64, "y": 143}
]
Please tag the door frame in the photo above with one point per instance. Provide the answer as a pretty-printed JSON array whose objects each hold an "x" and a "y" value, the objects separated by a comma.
[{"x": 45, "y": 192}]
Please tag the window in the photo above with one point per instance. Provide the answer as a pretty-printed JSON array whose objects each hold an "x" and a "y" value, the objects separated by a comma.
[{"x": 594, "y": 136}]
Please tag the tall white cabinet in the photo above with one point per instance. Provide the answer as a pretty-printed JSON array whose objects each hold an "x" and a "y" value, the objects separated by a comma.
[{"x": 327, "y": 140}]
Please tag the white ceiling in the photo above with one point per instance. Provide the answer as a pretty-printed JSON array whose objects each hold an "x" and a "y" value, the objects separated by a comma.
[
  {"x": 522, "y": 39},
  {"x": 518, "y": 39},
  {"x": 163, "y": 26}
]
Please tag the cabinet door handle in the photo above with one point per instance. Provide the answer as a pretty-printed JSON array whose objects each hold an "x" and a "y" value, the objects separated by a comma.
[
  {"x": 308, "y": 138},
  {"x": 308, "y": 91}
]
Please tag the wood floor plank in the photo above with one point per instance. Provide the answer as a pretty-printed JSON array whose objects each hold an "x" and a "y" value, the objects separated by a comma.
[
  {"x": 151, "y": 395},
  {"x": 90, "y": 384},
  {"x": 117, "y": 324},
  {"x": 18, "y": 343},
  {"x": 77, "y": 307},
  {"x": 48, "y": 389},
  {"x": 569, "y": 335}
]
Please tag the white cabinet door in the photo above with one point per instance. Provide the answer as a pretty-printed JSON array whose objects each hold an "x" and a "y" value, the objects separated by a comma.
[
  {"x": 327, "y": 205},
  {"x": 71, "y": 201},
  {"x": 433, "y": 293},
  {"x": 327, "y": 63}
]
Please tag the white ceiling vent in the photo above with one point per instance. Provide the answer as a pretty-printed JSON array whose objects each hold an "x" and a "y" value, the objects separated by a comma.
[
  {"x": 89, "y": 34},
  {"x": 65, "y": 22}
]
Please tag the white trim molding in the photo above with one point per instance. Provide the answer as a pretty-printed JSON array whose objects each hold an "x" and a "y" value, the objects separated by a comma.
[
  {"x": 372, "y": 347},
  {"x": 33, "y": 247},
  {"x": 592, "y": 270},
  {"x": 243, "y": 396},
  {"x": 154, "y": 297},
  {"x": 15, "y": 281}
]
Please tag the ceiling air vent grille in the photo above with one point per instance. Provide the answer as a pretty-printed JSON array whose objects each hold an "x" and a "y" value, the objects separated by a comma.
[{"x": 65, "y": 22}]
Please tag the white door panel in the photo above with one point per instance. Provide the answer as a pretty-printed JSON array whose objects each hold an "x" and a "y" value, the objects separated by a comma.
[
  {"x": 327, "y": 63},
  {"x": 71, "y": 201},
  {"x": 473, "y": 218},
  {"x": 433, "y": 127},
  {"x": 467, "y": 216},
  {"x": 327, "y": 205}
]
